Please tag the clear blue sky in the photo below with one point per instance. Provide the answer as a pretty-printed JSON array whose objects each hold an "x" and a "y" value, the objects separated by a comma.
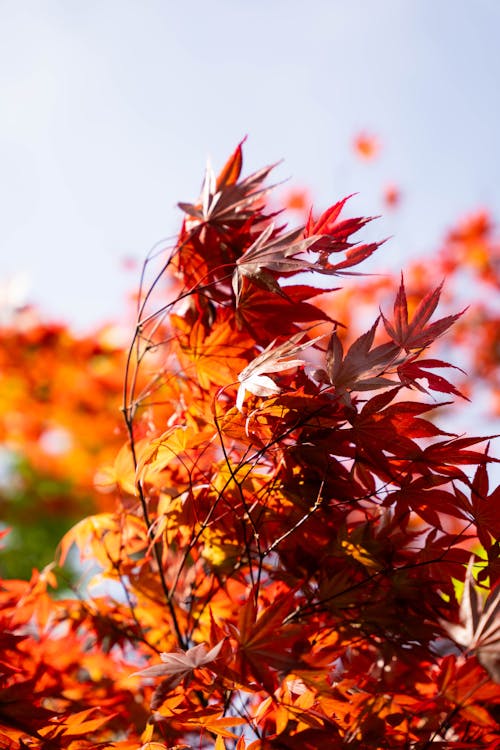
[{"x": 110, "y": 109}]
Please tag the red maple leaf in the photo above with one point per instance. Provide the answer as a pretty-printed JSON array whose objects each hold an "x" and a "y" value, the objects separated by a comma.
[{"x": 417, "y": 334}]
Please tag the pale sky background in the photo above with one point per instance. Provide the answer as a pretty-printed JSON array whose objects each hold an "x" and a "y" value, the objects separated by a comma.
[{"x": 109, "y": 109}]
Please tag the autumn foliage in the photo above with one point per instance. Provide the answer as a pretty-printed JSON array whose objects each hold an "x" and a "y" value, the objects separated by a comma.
[
  {"x": 287, "y": 550},
  {"x": 59, "y": 401}
]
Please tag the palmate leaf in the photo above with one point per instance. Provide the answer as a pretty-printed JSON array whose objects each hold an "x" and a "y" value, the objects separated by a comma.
[
  {"x": 332, "y": 237},
  {"x": 223, "y": 199},
  {"x": 403, "y": 416},
  {"x": 267, "y": 315},
  {"x": 334, "y": 234},
  {"x": 265, "y": 641},
  {"x": 384, "y": 434},
  {"x": 179, "y": 663},
  {"x": 410, "y": 371},
  {"x": 214, "y": 358},
  {"x": 479, "y": 628},
  {"x": 426, "y": 497},
  {"x": 177, "y": 666},
  {"x": 273, "y": 359},
  {"x": 272, "y": 254},
  {"x": 446, "y": 456},
  {"x": 283, "y": 255},
  {"x": 485, "y": 507},
  {"x": 417, "y": 334},
  {"x": 362, "y": 368}
]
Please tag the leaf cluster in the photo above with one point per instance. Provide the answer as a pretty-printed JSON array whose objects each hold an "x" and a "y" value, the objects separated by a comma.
[{"x": 291, "y": 524}]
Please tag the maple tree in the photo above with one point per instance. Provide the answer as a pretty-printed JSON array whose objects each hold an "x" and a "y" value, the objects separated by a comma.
[{"x": 291, "y": 553}]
